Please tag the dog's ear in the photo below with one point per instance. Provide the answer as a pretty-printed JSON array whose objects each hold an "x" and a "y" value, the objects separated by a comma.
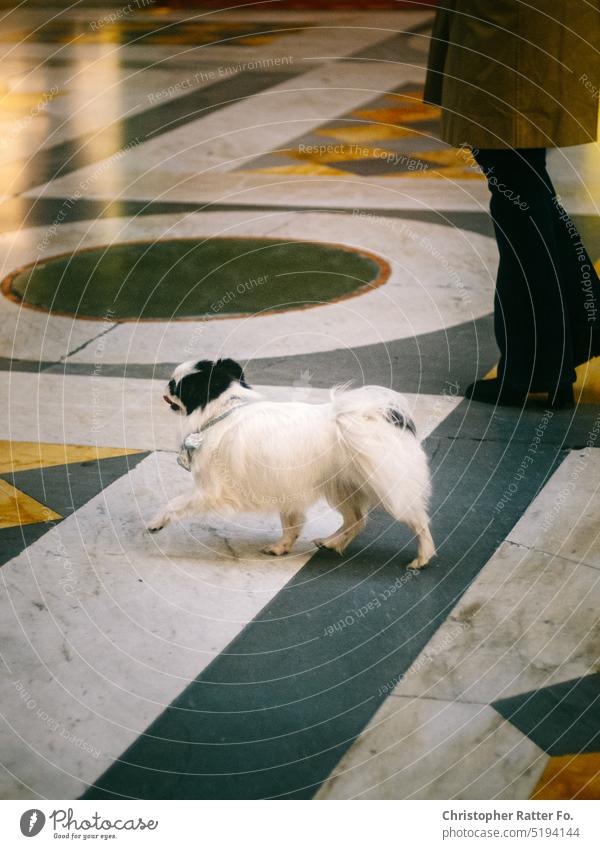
[
  {"x": 198, "y": 388},
  {"x": 193, "y": 391},
  {"x": 233, "y": 369}
]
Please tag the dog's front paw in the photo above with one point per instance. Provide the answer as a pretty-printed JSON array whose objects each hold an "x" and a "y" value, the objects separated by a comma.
[
  {"x": 330, "y": 545},
  {"x": 157, "y": 524},
  {"x": 417, "y": 564},
  {"x": 277, "y": 549}
]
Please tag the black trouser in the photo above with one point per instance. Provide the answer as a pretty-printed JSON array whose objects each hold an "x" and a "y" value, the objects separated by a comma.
[{"x": 547, "y": 302}]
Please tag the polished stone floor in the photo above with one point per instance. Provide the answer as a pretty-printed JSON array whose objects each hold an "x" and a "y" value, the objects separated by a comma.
[{"x": 188, "y": 665}]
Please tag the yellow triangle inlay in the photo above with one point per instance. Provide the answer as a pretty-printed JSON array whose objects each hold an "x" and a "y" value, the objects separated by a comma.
[
  {"x": 570, "y": 777},
  {"x": 307, "y": 169},
  {"x": 587, "y": 385},
  {"x": 367, "y": 132},
  {"x": 17, "y": 508},
  {"x": 451, "y": 172},
  {"x": 20, "y": 456},
  {"x": 344, "y": 153},
  {"x": 406, "y": 115}
]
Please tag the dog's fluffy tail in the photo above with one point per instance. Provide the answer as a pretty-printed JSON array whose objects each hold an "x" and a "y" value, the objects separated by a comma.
[
  {"x": 376, "y": 427},
  {"x": 372, "y": 403}
]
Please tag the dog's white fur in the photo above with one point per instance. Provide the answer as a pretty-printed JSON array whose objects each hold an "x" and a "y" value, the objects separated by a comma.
[{"x": 284, "y": 456}]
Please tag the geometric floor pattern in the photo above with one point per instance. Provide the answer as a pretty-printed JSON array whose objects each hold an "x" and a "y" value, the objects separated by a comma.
[
  {"x": 265, "y": 679},
  {"x": 563, "y": 721},
  {"x": 188, "y": 664},
  {"x": 42, "y": 483},
  {"x": 394, "y": 135}
]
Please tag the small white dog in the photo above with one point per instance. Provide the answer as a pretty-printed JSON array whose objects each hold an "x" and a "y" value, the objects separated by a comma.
[{"x": 245, "y": 453}]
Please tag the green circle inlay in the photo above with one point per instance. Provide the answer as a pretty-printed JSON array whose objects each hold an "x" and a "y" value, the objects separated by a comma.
[{"x": 194, "y": 278}]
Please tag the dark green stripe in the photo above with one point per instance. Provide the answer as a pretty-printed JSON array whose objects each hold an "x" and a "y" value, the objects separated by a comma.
[
  {"x": 562, "y": 719},
  {"x": 34, "y": 212}
]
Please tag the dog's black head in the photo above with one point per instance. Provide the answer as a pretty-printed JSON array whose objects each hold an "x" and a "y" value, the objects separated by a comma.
[{"x": 194, "y": 385}]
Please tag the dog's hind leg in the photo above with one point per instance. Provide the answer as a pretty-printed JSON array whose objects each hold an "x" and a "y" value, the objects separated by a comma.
[
  {"x": 354, "y": 515},
  {"x": 425, "y": 544},
  {"x": 292, "y": 524},
  {"x": 179, "y": 508}
]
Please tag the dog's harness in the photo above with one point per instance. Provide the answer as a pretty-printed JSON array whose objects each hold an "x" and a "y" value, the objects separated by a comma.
[{"x": 194, "y": 440}]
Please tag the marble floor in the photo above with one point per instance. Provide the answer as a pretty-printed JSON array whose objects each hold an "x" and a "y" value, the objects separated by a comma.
[{"x": 190, "y": 665}]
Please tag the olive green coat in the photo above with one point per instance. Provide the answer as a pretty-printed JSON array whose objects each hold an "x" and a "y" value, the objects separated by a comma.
[{"x": 516, "y": 74}]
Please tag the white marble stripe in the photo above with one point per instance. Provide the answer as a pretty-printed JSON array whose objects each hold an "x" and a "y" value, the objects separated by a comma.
[
  {"x": 563, "y": 519},
  {"x": 345, "y": 191},
  {"x": 435, "y": 749},
  {"x": 529, "y": 620},
  {"x": 130, "y": 413},
  {"x": 333, "y": 192},
  {"x": 78, "y": 107}
]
